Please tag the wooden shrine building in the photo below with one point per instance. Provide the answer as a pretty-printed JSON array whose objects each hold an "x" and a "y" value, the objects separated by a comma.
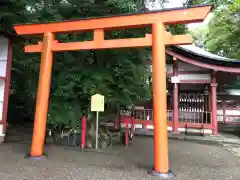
[{"x": 199, "y": 92}]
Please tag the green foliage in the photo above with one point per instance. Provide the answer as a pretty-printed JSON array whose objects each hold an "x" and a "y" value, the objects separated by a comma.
[
  {"x": 199, "y": 35},
  {"x": 221, "y": 36},
  {"x": 120, "y": 75},
  {"x": 216, "y": 3},
  {"x": 224, "y": 32}
]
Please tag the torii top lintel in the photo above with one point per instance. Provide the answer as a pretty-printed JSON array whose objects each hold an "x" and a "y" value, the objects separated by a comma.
[
  {"x": 167, "y": 16},
  {"x": 98, "y": 25}
]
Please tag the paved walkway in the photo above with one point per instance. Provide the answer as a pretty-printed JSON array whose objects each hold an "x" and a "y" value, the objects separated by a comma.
[
  {"x": 189, "y": 160},
  {"x": 228, "y": 140}
]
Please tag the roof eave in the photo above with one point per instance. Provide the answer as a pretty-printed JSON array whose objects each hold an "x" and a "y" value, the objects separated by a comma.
[{"x": 208, "y": 60}]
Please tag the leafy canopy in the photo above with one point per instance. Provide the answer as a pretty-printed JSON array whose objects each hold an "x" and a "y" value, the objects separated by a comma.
[
  {"x": 223, "y": 35},
  {"x": 120, "y": 75}
]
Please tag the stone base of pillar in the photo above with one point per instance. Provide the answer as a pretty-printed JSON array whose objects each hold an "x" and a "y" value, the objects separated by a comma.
[
  {"x": 2, "y": 138},
  {"x": 168, "y": 176},
  {"x": 176, "y": 133},
  {"x": 215, "y": 131},
  {"x": 214, "y": 135},
  {"x": 42, "y": 157},
  {"x": 2, "y": 134}
]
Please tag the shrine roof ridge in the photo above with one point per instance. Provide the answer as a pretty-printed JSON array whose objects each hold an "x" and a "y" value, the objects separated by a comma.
[
  {"x": 205, "y": 56},
  {"x": 202, "y": 52},
  {"x": 125, "y": 14}
]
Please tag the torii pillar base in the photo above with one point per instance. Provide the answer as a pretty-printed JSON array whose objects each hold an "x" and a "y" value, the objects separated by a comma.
[
  {"x": 42, "y": 157},
  {"x": 169, "y": 175}
]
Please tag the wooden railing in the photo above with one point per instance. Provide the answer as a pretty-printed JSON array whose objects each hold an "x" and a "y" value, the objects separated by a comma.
[
  {"x": 196, "y": 117},
  {"x": 228, "y": 112},
  {"x": 229, "y": 116}
]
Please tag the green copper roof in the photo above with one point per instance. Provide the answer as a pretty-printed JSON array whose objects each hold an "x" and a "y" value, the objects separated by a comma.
[{"x": 200, "y": 54}]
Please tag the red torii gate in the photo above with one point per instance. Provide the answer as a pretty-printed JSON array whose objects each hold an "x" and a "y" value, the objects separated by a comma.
[{"x": 158, "y": 40}]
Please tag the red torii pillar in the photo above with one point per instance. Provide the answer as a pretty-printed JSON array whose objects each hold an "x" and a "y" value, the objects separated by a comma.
[
  {"x": 158, "y": 40},
  {"x": 159, "y": 99},
  {"x": 42, "y": 96}
]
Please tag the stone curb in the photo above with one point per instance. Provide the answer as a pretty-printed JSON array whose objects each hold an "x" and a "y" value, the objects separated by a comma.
[
  {"x": 196, "y": 139},
  {"x": 215, "y": 141}
]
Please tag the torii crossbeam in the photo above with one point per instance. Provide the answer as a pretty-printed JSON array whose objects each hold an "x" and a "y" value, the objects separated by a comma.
[{"x": 158, "y": 40}]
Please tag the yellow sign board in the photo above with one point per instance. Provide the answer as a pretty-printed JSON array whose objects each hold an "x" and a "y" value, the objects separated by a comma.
[{"x": 97, "y": 103}]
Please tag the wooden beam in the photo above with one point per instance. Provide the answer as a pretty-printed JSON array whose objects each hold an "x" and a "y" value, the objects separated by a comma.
[
  {"x": 98, "y": 35},
  {"x": 180, "y": 39},
  {"x": 176, "y": 39},
  {"x": 167, "y": 16},
  {"x": 100, "y": 43},
  {"x": 86, "y": 45}
]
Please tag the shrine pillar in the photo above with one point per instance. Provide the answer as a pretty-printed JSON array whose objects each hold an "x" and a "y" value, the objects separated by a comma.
[
  {"x": 42, "y": 104},
  {"x": 224, "y": 107},
  {"x": 214, "y": 103},
  {"x": 207, "y": 117},
  {"x": 175, "y": 98}
]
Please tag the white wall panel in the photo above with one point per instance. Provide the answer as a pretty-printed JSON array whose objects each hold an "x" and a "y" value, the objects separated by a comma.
[
  {"x": 1, "y": 130},
  {"x": 1, "y": 110},
  {"x": 3, "y": 48},
  {"x": 3, "y": 68},
  {"x": 2, "y": 86},
  {"x": 195, "y": 77},
  {"x": 233, "y": 112}
]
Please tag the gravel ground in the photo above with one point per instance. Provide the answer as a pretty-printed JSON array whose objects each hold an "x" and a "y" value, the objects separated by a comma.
[{"x": 188, "y": 160}]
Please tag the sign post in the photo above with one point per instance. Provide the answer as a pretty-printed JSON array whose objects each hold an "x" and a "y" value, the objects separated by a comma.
[
  {"x": 97, "y": 119},
  {"x": 97, "y": 105}
]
